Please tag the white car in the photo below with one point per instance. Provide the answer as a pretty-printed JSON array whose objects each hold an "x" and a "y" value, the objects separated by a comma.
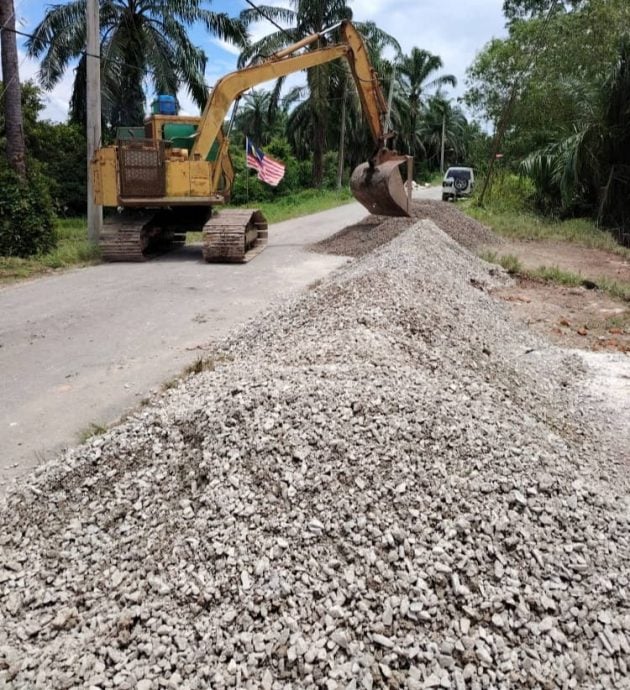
[{"x": 457, "y": 182}]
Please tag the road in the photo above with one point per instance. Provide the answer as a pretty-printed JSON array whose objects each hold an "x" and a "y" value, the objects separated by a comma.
[{"x": 81, "y": 348}]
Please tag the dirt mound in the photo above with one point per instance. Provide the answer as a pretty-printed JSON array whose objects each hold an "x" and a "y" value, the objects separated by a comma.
[{"x": 373, "y": 231}]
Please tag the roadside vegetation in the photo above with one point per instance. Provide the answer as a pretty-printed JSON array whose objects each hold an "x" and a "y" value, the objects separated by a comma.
[
  {"x": 72, "y": 249},
  {"x": 510, "y": 212}
]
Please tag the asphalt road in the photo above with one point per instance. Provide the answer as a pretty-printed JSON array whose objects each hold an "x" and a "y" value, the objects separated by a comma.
[{"x": 81, "y": 348}]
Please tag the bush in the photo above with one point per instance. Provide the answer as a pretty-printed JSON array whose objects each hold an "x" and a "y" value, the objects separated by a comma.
[
  {"x": 26, "y": 215},
  {"x": 61, "y": 152}
]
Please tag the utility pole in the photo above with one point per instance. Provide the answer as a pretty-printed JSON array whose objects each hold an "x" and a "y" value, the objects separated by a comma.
[
  {"x": 15, "y": 146},
  {"x": 93, "y": 91},
  {"x": 443, "y": 139}
]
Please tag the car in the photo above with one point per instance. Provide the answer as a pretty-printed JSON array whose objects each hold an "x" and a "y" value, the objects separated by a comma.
[{"x": 458, "y": 182}]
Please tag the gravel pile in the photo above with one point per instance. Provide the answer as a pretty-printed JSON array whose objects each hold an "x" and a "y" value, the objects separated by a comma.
[
  {"x": 374, "y": 231},
  {"x": 467, "y": 231},
  {"x": 384, "y": 484}
]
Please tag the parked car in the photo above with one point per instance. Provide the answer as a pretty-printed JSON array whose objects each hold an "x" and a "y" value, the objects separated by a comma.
[{"x": 458, "y": 182}]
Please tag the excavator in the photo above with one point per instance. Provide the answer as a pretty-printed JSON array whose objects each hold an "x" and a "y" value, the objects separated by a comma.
[{"x": 173, "y": 175}]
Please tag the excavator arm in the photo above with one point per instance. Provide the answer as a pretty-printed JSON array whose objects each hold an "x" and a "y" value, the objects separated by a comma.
[
  {"x": 377, "y": 184},
  {"x": 286, "y": 62}
]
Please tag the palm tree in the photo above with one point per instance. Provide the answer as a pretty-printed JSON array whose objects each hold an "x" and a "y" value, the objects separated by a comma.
[
  {"x": 140, "y": 39},
  {"x": 14, "y": 130},
  {"x": 439, "y": 118},
  {"x": 259, "y": 117},
  {"x": 416, "y": 75},
  {"x": 305, "y": 17},
  {"x": 589, "y": 167}
]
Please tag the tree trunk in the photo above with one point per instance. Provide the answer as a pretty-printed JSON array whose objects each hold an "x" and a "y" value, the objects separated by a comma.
[
  {"x": 318, "y": 85},
  {"x": 16, "y": 149},
  {"x": 342, "y": 134}
]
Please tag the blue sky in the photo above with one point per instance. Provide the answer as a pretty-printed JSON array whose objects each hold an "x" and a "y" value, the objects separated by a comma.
[{"x": 453, "y": 30}]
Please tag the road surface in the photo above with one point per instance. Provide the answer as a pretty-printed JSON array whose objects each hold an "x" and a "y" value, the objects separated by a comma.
[{"x": 82, "y": 347}]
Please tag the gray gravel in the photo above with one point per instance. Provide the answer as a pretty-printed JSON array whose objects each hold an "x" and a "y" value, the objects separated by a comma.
[
  {"x": 385, "y": 483},
  {"x": 372, "y": 231}
]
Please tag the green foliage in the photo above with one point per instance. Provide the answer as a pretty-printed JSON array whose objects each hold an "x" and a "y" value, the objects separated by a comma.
[
  {"x": 61, "y": 151},
  {"x": 554, "y": 63},
  {"x": 509, "y": 262},
  {"x": 26, "y": 215},
  {"x": 304, "y": 203},
  {"x": 587, "y": 171},
  {"x": 58, "y": 149}
]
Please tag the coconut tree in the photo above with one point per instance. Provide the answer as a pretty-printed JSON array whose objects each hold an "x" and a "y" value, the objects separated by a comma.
[
  {"x": 417, "y": 77},
  {"x": 140, "y": 40},
  {"x": 259, "y": 116},
  {"x": 302, "y": 18}
]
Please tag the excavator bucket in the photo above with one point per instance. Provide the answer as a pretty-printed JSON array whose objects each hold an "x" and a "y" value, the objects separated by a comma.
[{"x": 380, "y": 188}]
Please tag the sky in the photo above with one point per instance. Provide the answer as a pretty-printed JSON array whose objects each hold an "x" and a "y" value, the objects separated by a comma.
[{"x": 454, "y": 30}]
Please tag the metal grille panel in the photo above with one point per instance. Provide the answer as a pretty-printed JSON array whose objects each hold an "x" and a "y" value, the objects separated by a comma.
[{"x": 142, "y": 170}]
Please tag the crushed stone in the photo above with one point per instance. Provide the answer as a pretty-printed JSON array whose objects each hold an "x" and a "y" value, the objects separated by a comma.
[{"x": 386, "y": 482}]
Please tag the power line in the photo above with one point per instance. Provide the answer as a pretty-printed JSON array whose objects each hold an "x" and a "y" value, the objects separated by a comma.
[{"x": 269, "y": 19}]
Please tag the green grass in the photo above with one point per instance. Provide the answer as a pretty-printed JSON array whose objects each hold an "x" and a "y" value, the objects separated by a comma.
[
  {"x": 509, "y": 262},
  {"x": 72, "y": 249},
  {"x": 518, "y": 224},
  {"x": 302, "y": 203},
  {"x": 553, "y": 274},
  {"x": 92, "y": 430}
]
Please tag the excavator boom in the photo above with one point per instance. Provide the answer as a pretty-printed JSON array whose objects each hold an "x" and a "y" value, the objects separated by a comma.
[{"x": 377, "y": 184}]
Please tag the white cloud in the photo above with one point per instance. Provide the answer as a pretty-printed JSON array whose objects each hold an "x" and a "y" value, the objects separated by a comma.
[
  {"x": 57, "y": 100},
  {"x": 455, "y": 32}
]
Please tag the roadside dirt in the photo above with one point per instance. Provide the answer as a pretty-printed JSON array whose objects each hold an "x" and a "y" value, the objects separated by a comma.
[
  {"x": 571, "y": 317},
  {"x": 589, "y": 263}
]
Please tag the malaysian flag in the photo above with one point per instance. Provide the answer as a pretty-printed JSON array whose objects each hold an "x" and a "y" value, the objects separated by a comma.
[{"x": 269, "y": 170}]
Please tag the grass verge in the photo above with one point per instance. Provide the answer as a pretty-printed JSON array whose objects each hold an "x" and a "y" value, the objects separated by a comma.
[
  {"x": 552, "y": 274},
  {"x": 302, "y": 203},
  {"x": 73, "y": 249},
  {"x": 519, "y": 224}
]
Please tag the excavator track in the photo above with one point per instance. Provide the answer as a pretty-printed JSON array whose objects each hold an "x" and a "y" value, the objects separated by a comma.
[
  {"x": 234, "y": 235},
  {"x": 126, "y": 236},
  {"x": 140, "y": 235}
]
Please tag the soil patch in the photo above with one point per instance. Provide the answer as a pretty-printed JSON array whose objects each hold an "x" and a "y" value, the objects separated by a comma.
[
  {"x": 587, "y": 262},
  {"x": 373, "y": 231},
  {"x": 569, "y": 316}
]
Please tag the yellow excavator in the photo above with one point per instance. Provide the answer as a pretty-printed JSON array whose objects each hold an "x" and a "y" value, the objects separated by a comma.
[{"x": 169, "y": 177}]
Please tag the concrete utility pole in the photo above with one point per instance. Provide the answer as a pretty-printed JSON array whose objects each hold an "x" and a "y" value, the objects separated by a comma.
[
  {"x": 93, "y": 91},
  {"x": 443, "y": 140}
]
